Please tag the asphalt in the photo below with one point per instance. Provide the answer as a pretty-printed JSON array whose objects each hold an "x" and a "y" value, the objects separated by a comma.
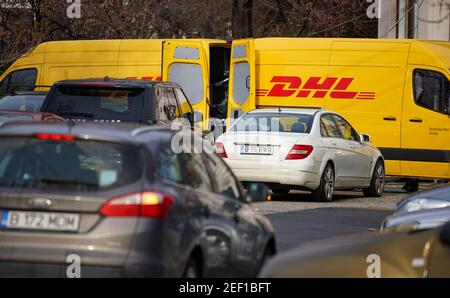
[{"x": 299, "y": 227}]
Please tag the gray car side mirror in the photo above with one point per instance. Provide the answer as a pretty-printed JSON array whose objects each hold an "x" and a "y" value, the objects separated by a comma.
[{"x": 365, "y": 138}]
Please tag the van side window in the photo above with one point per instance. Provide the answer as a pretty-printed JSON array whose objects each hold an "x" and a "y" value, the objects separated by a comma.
[
  {"x": 328, "y": 127},
  {"x": 431, "y": 90},
  {"x": 21, "y": 80}
]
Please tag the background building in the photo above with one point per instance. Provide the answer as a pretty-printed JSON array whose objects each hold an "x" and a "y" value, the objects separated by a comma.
[{"x": 421, "y": 19}]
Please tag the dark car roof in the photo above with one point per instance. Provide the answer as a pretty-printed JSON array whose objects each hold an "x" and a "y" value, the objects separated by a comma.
[
  {"x": 21, "y": 93},
  {"x": 121, "y": 133},
  {"x": 115, "y": 83}
]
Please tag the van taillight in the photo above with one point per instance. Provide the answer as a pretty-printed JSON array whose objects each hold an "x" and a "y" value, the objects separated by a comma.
[
  {"x": 142, "y": 204},
  {"x": 220, "y": 149},
  {"x": 300, "y": 152}
]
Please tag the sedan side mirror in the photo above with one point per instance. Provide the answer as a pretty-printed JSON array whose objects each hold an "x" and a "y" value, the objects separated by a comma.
[
  {"x": 444, "y": 234},
  {"x": 258, "y": 192},
  {"x": 365, "y": 138}
]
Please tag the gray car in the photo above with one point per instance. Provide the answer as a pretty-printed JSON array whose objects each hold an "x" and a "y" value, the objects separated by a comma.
[
  {"x": 433, "y": 198},
  {"x": 117, "y": 201},
  {"x": 419, "y": 220}
]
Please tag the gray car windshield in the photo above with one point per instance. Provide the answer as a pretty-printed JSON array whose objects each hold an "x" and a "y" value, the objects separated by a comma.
[
  {"x": 29, "y": 103},
  {"x": 274, "y": 122},
  {"x": 67, "y": 165},
  {"x": 97, "y": 103}
]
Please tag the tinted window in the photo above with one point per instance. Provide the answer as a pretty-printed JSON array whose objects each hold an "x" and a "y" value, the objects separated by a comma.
[
  {"x": 195, "y": 172},
  {"x": 95, "y": 103},
  {"x": 346, "y": 129},
  {"x": 328, "y": 127},
  {"x": 225, "y": 182},
  {"x": 73, "y": 165},
  {"x": 431, "y": 90},
  {"x": 274, "y": 122},
  {"x": 169, "y": 167},
  {"x": 29, "y": 103},
  {"x": 184, "y": 103}
]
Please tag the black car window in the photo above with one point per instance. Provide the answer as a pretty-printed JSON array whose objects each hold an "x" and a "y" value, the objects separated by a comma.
[
  {"x": 162, "y": 103},
  {"x": 328, "y": 127},
  {"x": 431, "y": 90},
  {"x": 346, "y": 129},
  {"x": 224, "y": 181},
  {"x": 97, "y": 103},
  {"x": 4, "y": 86},
  {"x": 169, "y": 167},
  {"x": 195, "y": 172}
]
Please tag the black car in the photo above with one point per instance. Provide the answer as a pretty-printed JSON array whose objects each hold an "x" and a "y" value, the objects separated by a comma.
[
  {"x": 116, "y": 101},
  {"x": 119, "y": 198}
]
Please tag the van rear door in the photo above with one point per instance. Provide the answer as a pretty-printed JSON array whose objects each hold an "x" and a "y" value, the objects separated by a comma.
[
  {"x": 242, "y": 79},
  {"x": 184, "y": 63}
]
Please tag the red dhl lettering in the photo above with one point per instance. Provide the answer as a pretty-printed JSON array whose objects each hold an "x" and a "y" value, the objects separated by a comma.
[
  {"x": 155, "y": 78},
  {"x": 315, "y": 87}
]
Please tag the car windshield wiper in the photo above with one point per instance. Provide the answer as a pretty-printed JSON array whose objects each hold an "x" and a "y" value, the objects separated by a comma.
[{"x": 81, "y": 114}]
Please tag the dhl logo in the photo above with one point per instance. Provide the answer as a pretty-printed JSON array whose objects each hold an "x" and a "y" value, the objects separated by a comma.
[
  {"x": 286, "y": 86},
  {"x": 155, "y": 78}
]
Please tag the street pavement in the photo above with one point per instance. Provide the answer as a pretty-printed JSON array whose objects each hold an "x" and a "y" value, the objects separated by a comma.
[{"x": 298, "y": 220}]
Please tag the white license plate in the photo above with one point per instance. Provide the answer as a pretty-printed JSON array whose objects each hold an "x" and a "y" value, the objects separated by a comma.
[
  {"x": 40, "y": 221},
  {"x": 257, "y": 150}
]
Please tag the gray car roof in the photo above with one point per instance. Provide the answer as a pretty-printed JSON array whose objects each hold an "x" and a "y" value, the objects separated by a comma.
[{"x": 123, "y": 132}]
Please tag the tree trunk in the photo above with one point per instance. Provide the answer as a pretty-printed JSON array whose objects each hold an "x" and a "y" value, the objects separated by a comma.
[{"x": 242, "y": 18}]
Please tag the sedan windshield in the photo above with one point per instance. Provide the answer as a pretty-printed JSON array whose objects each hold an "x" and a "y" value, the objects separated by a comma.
[
  {"x": 74, "y": 165},
  {"x": 29, "y": 103},
  {"x": 274, "y": 122},
  {"x": 97, "y": 103}
]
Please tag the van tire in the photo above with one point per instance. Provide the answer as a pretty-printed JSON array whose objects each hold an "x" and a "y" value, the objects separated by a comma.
[
  {"x": 377, "y": 181},
  {"x": 325, "y": 191}
]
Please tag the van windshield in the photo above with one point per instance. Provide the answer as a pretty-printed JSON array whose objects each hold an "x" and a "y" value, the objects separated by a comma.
[
  {"x": 275, "y": 122},
  {"x": 101, "y": 104},
  {"x": 76, "y": 165}
]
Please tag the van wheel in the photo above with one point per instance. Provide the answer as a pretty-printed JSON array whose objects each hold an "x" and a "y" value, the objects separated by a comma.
[
  {"x": 377, "y": 181},
  {"x": 325, "y": 191},
  {"x": 192, "y": 269}
]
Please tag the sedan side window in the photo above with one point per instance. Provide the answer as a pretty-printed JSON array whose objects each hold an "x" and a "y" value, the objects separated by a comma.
[
  {"x": 346, "y": 129},
  {"x": 196, "y": 174},
  {"x": 328, "y": 127},
  {"x": 224, "y": 181}
]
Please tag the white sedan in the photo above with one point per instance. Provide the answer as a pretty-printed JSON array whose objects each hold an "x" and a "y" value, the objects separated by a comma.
[{"x": 309, "y": 149}]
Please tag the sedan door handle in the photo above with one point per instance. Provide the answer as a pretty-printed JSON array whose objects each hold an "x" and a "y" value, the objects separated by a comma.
[
  {"x": 416, "y": 120},
  {"x": 390, "y": 118}
]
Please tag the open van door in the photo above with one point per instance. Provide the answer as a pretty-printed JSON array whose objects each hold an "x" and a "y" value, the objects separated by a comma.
[
  {"x": 184, "y": 63},
  {"x": 242, "y": 79}
]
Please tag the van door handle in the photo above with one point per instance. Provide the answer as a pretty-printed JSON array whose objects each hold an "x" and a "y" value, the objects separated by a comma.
[
  {"x": 416, "y": 120},
  {"x": 390, "y": 118}
]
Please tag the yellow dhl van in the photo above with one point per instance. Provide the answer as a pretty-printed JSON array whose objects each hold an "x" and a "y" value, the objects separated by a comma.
[
  {"x": 201, "y": 67},
  {"x": 397, "y": 91}
]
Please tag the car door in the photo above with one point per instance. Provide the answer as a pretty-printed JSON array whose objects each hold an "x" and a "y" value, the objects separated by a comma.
[
  {"x": 216, "y": 234},
  {"x": 357, "y": 169},
  {"x": 248, "y": 244},
  {"x": 334, "y": 144}
]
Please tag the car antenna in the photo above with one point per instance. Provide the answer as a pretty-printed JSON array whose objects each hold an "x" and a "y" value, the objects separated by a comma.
[{"x": 279, "y": 109}]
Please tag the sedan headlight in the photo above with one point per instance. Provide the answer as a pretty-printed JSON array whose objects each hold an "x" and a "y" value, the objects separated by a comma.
[{"x": 422, "y": 204}]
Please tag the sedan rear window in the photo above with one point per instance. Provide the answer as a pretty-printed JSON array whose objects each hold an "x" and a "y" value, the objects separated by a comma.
[
  {"x": 102, "y": 104},
  {"x": 77, "y": 165},
  {"x": 275, "y": 122}
]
